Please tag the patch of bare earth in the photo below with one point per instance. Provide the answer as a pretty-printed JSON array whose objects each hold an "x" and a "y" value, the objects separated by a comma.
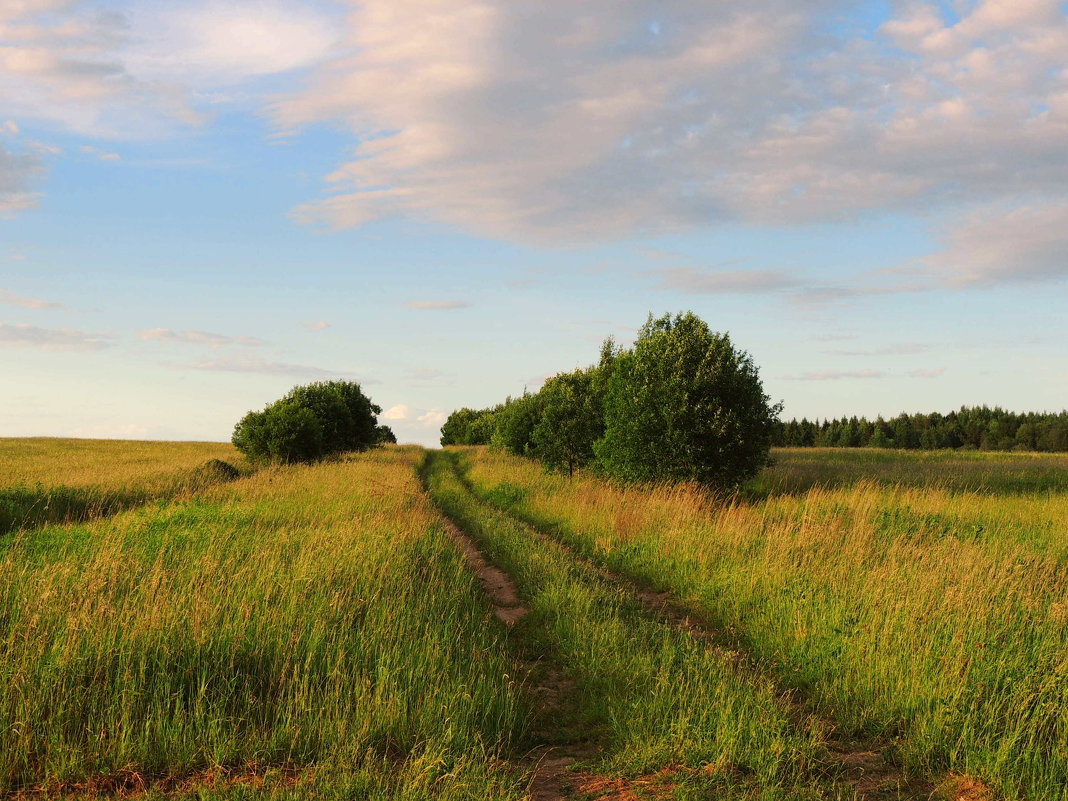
[
  {"x": 958, "y": 787},
  {"x": 551, "y": 690},
  {"x": 132, "y": 784}
]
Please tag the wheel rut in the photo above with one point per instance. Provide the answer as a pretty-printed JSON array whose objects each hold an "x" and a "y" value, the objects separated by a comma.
[
  {"x": 550, "y": 688},
  {"x": 857, "y": 765}
]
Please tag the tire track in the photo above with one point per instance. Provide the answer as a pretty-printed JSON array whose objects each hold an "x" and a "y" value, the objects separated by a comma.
[{"x": 855, "y": 764}]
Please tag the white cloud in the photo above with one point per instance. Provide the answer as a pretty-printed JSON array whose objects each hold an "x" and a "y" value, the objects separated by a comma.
[
  {"x": 437, "y": 305},
  {"x": 197, "y": 338},
  {"x": 715, "y": 281},
  {"x": 432, "y": 418},
  {"x": 835, "y": 375},
  {"x": 9, "y": 297},
  {"x": 996, "y": 244},
  {"x": 538, "y": 121},
  {"x": 897, "y": 349},
  {"x": 146, "y": 69},
  {"x": 31, "y": 336},
  {"x": 103, "y": 155},
  {"x": 426, "y": 418},
  {"x": 315, "y": 325},
  {"x": 219, "y": 43},
  {"x": 251, "y": 365},
  {"x": 399, "y": 412}
]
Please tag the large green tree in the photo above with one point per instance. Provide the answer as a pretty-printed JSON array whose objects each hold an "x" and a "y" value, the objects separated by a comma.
[
  {"x": 311, "y": 422},
  {"x": 684, "y": 405}
]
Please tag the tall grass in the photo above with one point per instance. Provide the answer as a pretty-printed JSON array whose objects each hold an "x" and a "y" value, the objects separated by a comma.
[
  {"x": 307, "y": 622},
  {"x": 929, "y": 614},
  {"x": 652, "y": 695},
  {"x": 797, "y": 470},
  {"x": 45, "y": 480}
]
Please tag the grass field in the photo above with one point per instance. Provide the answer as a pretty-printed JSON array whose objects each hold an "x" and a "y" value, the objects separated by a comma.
[
  {"x": 305, "y": 631},
  {"x": 51, "y": 480},
  {"x": 861, "y": 625},
  {"x": 915, "y": 610}
]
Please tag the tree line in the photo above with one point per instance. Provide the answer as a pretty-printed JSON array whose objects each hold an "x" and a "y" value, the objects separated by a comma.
[
  {"x": 682, "y": 404},
  {"x": 975, "y": 428}
]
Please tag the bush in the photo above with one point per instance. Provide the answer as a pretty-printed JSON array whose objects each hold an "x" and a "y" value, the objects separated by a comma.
[
  {"x": 684, "y": 405},
  {"x": 311, "y": 422}
]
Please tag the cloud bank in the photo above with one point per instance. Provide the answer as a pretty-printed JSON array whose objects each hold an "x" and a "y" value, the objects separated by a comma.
[{"x": 552, "y": 122}]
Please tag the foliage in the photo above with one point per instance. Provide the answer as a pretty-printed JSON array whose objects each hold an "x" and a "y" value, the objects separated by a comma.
[
  {"x": 516, "y": 422},
  {"x": 461, "y": 428},
  {"x": 978, "y": 428},
  {"x": 685, "y": 405},
  {"x": 384, "y": 435},
  {"x": 311, "y": 422},
  {"x": 571, "y": 421}
]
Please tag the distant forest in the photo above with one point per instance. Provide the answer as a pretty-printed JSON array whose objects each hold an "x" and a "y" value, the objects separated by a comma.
[{"x": 978, "y": 428}]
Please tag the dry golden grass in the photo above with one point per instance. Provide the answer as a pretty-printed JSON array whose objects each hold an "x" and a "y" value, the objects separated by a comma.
[{"x": 117, "y": 464}]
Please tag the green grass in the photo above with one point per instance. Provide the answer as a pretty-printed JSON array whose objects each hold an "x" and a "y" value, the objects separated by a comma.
[
  {"x": 308, "y": 624},
  {"x": 914, "y": 610},
  {"x": 651, "y": 695},
  {"x": 45, "y": 480},
  {"x": 797, "y": 470}
]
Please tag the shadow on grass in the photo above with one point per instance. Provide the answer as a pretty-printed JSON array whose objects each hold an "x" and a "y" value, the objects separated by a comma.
[
  {"x": 794, "y": 472},
  {"x": 25, "y": 507}
]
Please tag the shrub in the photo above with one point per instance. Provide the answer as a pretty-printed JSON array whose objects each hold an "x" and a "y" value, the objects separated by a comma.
[{"x": 311, "y": 422}]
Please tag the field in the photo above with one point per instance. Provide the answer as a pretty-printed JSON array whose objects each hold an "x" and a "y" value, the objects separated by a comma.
[
  {"x": 49, "y": 480},
  {"x": 460, "y": 624}
]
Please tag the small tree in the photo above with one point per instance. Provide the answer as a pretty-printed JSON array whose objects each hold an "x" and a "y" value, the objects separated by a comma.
[
  {"x": 684, "y": 404},
  {"x": 384, "y": 436},
  {"x": 311, "y": 422},
  {"x": 571, "y": 421},
  {"x": 515, "y": 424}
]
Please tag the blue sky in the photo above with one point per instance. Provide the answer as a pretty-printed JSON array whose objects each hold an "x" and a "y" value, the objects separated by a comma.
[{"x": 205, "y": 203}]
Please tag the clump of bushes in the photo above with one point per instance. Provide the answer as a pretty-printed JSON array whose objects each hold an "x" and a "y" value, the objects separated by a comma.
[
  {"x": 310, "y": 423},
  {"x": 683, "y": 404}
]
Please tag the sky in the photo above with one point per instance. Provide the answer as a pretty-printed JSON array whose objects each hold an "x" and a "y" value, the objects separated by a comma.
[{"x": 205, "y": 203}]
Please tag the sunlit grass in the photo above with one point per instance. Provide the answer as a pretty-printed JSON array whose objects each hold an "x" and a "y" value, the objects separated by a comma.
[
  {"x": 311, "y": 621},
  {"x": 926, "y": 613},
  {"x": 46, "y": 480},
  {"x": 652, "y": 695}
]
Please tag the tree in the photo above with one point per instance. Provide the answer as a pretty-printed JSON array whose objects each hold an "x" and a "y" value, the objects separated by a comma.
[
  {"x": 384, "y": 436},
  {"x": 311, "y": 422},
  {"x": 571, "y": 421},
  {"x": 684, "y": 404},
  {"x": 515, "y": 424},
  {"x": 454, "y": 430}
]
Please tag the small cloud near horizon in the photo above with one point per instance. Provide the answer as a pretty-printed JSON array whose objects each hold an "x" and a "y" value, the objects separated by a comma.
[
  {"x": 8, "y": 296},
  {"x": 315, "y": 325},
  {"x": 437, "y": 305},
  {"x": 250, "y": 365},
  {"x": 32, "y": 336},
  {"x": 835, "y": 375},
  {"x": 198, "y": 338}
]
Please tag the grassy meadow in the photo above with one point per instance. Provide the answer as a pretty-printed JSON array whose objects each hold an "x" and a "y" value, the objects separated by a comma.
[
  {"x": 306, "y": 631},
  {"x": 53, "y": 480},
  {"x": 314, "y": 632},
  {"x": 906, "y": 600}
]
